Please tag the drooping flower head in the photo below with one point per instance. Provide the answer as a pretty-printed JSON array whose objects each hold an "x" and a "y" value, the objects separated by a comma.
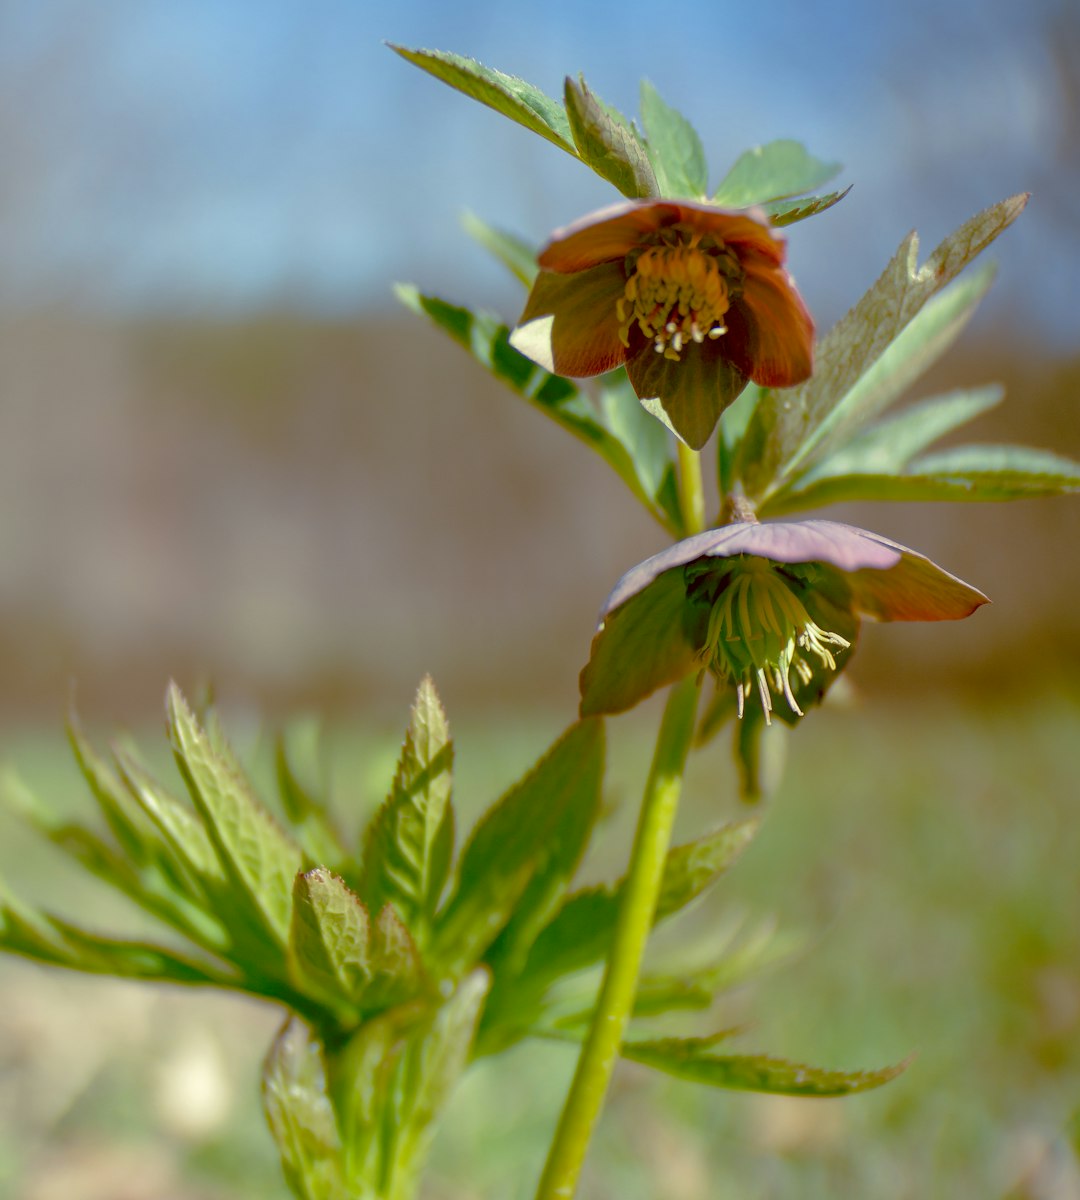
[
  {"x": 694, "y": 299},
  {"x": 771, "y": 610}
]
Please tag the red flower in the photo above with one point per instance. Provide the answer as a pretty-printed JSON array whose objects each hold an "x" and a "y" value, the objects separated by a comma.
[
  {"x": 769, "y": 609},
  {"x": 694, "y": 300}
]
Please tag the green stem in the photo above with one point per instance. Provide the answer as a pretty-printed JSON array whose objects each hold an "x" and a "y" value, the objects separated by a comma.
[
  {"x": 691, "y": 490},
  {"x": 636, "y": 913}
]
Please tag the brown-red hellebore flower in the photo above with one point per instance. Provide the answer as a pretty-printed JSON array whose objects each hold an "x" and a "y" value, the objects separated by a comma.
[
  {"x": 694, "y": 300},
  {"x": 769, "y": 609}
]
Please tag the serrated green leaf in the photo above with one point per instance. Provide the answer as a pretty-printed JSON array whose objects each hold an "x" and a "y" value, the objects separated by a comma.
[
  {"x": 889, "y": 445},
  {"x": 518, "y": 839},
  {"x": 787, "y": 212},
  {"x": 972, "y": 473},
  {"x": 506, "y": 94},
  {"x": 580, "y": 933},
  {"x": 111, "y": 797},
  {"x": 144, "y": 883},
  {"x": 256, "y": 854},
  {"x": 608, "y": 143},
  {"x": 409, "y": 842},
  {"x": 487, "y": 340},
  {"x": 516, "y": 254},
  {"x": 692, "y": 1059},
  {"x": 180, "y": 828},
  {"x": 673, "y": 146},
  {"x": 774, "y": 171},
  {"x": 329, "y": 938},
  {"x": 301, "y": 1117},
  {"x": 50, "y": 939},
  {"x": 926, "y": 337},
  {"x": 783, "y": 420}
]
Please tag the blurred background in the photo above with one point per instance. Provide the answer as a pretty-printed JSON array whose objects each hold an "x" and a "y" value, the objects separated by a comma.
[{"x": 226, "y": 455}]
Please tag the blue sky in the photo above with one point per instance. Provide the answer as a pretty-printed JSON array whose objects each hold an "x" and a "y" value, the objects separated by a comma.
[{"x": 232, "y": 155}]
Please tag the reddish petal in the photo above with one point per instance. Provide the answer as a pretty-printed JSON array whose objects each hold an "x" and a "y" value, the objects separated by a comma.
[
  {"x": 914, "y": 590},
  {"x": 570, "y": 325},
  {"x": 747, "y": 232},
  {"x": 605, "y": 236},
  {"x": 693, "y": 392},
  {"x": 771, "y": 334}
]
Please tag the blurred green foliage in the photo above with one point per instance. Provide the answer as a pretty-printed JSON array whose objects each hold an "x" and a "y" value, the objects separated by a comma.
[{"x": 948, "y": 932}]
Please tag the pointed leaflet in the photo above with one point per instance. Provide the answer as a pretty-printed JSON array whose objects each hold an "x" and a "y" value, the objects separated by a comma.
[
  {"x": 783, "y": 419},
  {"x": 516, "y": 839},
  {"x": 673, "y": 146},
  {"x": 915, "y": 348},
  {"x": 506, "y": 94},
  {"x": 336, "y": 951},
  {"x": 608, "y": 143},
  {"x": 888, "y": 445},
  {"x": 787, "y": 212},
  {"x": 409, "y": 842},
  {"x": 516, "y": 254},
  {"x": 487, "y": 340},
  {"x": 774, "y": 171},
  {"x": 647, "y": 441},
  {"x": 256, "y": 854},
  {"x": 300, "y": 1115},
  {"x": 692, "y": 1059}
]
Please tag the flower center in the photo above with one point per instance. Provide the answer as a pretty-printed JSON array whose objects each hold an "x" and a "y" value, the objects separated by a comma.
[
  {"x": 759, "y": 630},
  {"x": 678, "y": 290}
]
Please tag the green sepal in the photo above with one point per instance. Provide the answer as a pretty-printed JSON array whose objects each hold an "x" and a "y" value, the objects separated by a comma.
[
  {"x": 608, "y": 143},
  {"x": 518, "y": 840},
  {"x": 515, "y": 254},
  {"x": 787, "y": 212},
  {"x": 410, "y": 840},
  {"x": 301, "y": 1117},
  {"x": 259, "y": 859},
  {"x": 775, "y": 171},
  {"x": 487, "y": 340},
  {"x": 784, "y": 422},
  {"x": 506, "y": 94},
  {"x": 693, "y": 1059},
  {"x": 673, "y": 146}
]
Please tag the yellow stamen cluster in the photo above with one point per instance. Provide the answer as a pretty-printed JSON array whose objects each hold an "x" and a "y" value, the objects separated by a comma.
[
  {"x": 759, "y": 631},
  {"x": 675, "y": 294}
]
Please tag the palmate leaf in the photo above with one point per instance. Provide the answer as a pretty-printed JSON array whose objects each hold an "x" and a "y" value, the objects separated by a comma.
[
  {"x": 517, "y": 841},
  {"x": 774, "y": 171},
  {"x": 673, "y": 146},
  {"x": 409, "y": 842},
  {"x": 506, "y": 94},
  {"x": 608, "y": 143},
  {"x": 783, "y": 421},
  {"x": 487, "y": 340},
  {"x": 257, "y": 856}
]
